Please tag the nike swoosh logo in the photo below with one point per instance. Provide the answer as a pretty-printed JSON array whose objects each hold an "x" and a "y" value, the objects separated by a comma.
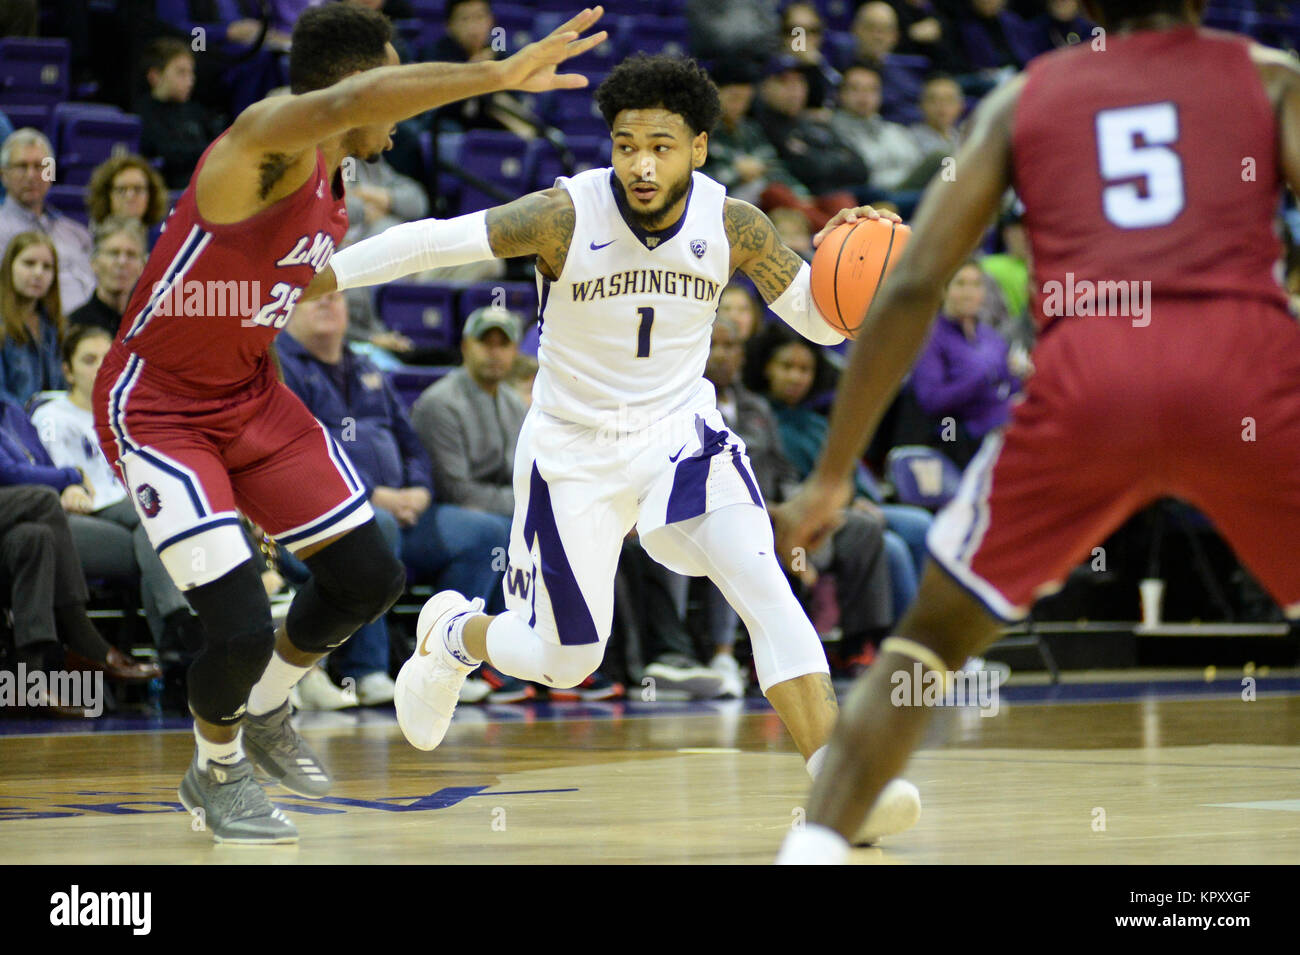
[
  {"x": 678, "y": 454},
  {"x": 595, "y": 247},
  {"x": 425, "y": 639}
]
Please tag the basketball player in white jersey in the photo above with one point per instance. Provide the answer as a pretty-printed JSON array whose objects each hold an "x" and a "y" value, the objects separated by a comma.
[{"x": 624, "y": 429}]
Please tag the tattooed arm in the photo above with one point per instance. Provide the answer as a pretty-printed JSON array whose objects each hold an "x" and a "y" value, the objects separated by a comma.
[
  {"x": 539, "y": 224},
  {"x": 758, "y": 251}
]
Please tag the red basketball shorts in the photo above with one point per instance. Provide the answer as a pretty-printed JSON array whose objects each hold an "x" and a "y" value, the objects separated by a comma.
[
  {"x": 1202, "y": 404},
  {"x": 191, "y": 464}
]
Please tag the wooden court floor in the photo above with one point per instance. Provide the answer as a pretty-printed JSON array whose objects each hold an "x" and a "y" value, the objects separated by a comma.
[{"x": 1152, "y": 781}]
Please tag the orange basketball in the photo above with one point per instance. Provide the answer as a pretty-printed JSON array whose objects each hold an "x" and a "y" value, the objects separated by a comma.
[{"x": 849, "y": 266}]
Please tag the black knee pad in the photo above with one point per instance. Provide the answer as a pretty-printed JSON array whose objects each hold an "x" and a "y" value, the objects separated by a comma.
[
  {"x": 239, "y": 639},
  {"x": 353, "y": 582}
]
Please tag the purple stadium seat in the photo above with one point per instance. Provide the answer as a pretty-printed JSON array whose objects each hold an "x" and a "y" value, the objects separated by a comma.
[
  {"x": 87, "y": 140},
  {"x": 922, "y": 476},
  {"x": 542, "y": 162},
  {"x": 600, "y": 60},
  {"x": 424, "y": 313},
  {"x": 517, "y": 21},
  {"x": 519, "y": 297},
  {"x": 34, "y": 115},
  {"x": 410, "y": 381},
  {"x": 33, "y": 70},
  {"x": 495, "y": 156},
  {"x": 532, "y": 339}
]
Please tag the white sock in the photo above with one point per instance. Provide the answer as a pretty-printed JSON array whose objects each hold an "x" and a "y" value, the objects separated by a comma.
[
  {"x": 813, "y": 845},
  {"x": 816, "y": 760},
  {"x": 272, "y": 690},
  {"x": 225, "y": 753},
  {"x": 454, "y": 641}
]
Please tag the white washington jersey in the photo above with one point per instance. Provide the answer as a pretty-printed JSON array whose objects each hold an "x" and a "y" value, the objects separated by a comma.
[{"x": 626, "y": 325}]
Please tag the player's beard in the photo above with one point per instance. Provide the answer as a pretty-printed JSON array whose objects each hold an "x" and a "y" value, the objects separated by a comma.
[{"x": 654, "y": 221}]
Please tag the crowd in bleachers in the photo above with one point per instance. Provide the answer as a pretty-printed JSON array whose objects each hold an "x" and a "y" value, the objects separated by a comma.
[{"x": 106, "y": 106}]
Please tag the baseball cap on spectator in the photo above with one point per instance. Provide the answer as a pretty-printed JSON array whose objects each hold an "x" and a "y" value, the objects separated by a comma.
[
  {"x": 735, "y": 73},
  {"x": 483, "y": 320}
]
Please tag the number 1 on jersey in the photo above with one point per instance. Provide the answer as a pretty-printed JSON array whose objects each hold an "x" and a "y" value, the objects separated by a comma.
[{"x": 643, "y": 331}]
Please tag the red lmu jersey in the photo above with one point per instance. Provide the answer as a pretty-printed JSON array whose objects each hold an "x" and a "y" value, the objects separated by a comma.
[
  {"x": 213, "y": 297},
  {"x": 1154, "y": 160}
]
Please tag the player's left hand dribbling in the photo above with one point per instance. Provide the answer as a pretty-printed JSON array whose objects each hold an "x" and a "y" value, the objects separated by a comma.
[{"x": 853, "y": 215}]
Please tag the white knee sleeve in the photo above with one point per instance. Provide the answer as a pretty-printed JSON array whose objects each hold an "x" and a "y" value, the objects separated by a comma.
[
  {"x": 733, "y": 547},
  {"x": 515, "y": 648}
]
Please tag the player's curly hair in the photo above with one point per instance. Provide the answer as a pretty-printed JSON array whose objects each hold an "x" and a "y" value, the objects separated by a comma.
[
  {"x": 333, "y": 40},
  {"x": 675, "y": 83}
]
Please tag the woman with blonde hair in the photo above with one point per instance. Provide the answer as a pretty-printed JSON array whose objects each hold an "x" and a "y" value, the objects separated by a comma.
[
  {"x": 126, "y": 185},
  {"x": 31, "y": 318}
]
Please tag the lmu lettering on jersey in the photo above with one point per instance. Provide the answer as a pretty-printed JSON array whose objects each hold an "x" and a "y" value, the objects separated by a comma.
[
  {"x": 315, "y": 252},
  {"x": 646, "y": 282}
]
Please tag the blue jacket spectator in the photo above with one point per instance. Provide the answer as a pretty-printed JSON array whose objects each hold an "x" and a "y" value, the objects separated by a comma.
[
  {"x": 23, "y": 459},
  {"x": 356, "y": 403}
]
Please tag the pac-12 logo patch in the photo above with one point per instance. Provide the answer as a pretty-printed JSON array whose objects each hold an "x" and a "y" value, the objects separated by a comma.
[
  {"x": 698, "y": 246},
  {"x": 149, "y": 500}
]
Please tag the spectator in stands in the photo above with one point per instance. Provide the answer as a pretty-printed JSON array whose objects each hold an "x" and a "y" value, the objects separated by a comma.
[
  {"x": 118, "y": 261},
  {"x": 33, "y": 322},
  {"x": 172, "y": 126},
  {"x": 738, "y": 304},
  {"x": 47, "y": 590},
  {"x": 889, "y": 151},
  {"x": 470, "y": 37},
  {"x": 855, "y": 555},
  {"x": 441, "y": 543},
  {"x": 790, "y": 373},
  {"x": 994, "y": 39},
  {"x": 27, "y": 168},
  {"x": 942, "y": 103},
  {"x": 379, "y": 197},
  {"x": 740, "y": 156},
  {"x": 962, "y": 373},
  {"x": 809, "y": 146},
  {"x": 128, "y": 187},
  {"x": 6, "y": 127},
  {"x": 1061, "y": 24},
  {"x": 925, "y": 30},
  {"x": 876, "y": 35},
  {"x": 802, "y": 35},
  {"x": 110, "y": 539}
]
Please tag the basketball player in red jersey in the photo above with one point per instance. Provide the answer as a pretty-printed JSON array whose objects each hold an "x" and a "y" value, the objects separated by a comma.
[
  {"x": 189, "y": 406},
  {"x": 1132, "y": 169}
]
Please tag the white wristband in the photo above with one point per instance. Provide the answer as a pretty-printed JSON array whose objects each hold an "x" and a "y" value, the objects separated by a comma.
[
  {"x": 413, "y": 247},
  {"x": 796, "y": 308}
]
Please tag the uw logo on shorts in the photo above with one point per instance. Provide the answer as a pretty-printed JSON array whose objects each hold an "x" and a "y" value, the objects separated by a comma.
[
  {"x": 698, "y": 246},
  {"x": 149, "y": 500},
  {"x": 519, "y": 581}
]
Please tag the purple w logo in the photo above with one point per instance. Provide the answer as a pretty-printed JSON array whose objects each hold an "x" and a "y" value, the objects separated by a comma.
[{"x": 518, "y": 581}]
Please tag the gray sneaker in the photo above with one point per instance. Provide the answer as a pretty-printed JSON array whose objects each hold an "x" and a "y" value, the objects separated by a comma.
[
  {"x": 274, "y": 747},
  {"x": 235, "y": 809}
]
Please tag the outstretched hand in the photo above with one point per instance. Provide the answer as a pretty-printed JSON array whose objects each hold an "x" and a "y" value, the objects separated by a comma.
[
  {"x": 532, "y": 69},
  {"x": 852, "y": 215}
]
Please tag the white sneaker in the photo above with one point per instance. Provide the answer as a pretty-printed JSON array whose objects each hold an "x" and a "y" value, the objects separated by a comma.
[
  {"x": 733, "y": 681},
  {"x": 896, "y": 810},
  {"x": 474, "y": 690},
  {"x": 315, "y": 692},
  {"x": 375, "y": 689},
  {"x": 429, "y": 683}
]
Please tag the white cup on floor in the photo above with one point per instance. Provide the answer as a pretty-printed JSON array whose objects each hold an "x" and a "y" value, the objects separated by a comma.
[{"x": 1153, "y": 595}]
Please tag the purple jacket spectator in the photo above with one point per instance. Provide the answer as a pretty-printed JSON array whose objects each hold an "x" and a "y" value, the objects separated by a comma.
[
  {"x": 965, "y": 378},
  {"x": 359, "y": 407},
  {"x": 23, "y": 459}
]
